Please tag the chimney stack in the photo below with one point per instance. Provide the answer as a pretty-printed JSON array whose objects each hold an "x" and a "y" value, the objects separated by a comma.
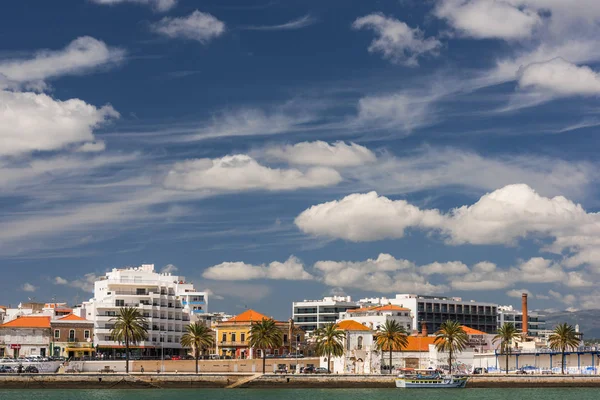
[
  {"x": 424, "y": 329},
  {"x": 525, "y": 315}
]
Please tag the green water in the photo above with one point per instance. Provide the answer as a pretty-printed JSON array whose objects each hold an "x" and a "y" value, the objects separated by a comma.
[{"x": 304, "y": 394}]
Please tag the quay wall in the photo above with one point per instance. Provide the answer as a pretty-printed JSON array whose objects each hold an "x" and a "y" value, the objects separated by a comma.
[{"x": 180, "y": 380}]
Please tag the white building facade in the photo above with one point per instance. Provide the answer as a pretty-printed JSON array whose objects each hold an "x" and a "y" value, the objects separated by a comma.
[
  {"x": 433, "y": 311},
  {"x": 375, "y": 317},
  {"x": 168, "y": 303},
  {"x": 536, "y": 322},
  {"x": 313, "y": 314}
]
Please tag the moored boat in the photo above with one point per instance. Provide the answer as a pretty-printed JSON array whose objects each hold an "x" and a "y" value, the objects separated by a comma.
[{"x": 430, "y": 379}]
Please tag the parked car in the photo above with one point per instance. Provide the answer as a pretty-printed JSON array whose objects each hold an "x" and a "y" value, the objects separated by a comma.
[
  {"x": 5, "y": 369},
  {"x": 321, "y": 370},
  {"x": 175, "y": 358},
  {"x": 521, "y": 371},
  {"x": 478, "y": 371},
  {"x": 30, "y": 369},
  {"x": 308, "y": 370},
  {"x": 281, "y": 370}
]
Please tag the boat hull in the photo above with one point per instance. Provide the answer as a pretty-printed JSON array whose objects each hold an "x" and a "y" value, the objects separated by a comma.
[{"x": 444, "y": 383}]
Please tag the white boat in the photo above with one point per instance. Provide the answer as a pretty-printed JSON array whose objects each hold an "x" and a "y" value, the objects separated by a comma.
[{"x": 430, "y": 379}]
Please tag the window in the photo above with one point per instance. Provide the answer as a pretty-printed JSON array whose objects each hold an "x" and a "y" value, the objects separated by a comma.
[
  {"x": 360, "y": 342},
  {"x": 242, "y": 337},
  {"x": 86, "y": 334},
  {"x": 72, "y": 334},
  {"x": 139, "y": 291},
  {"x": 56, "y": 334},
  {"x": 285, "y": 338},
  {"x": 224, "y": 337},
  {"x": 233, "y": 337},
  {"x": 120, "y": 303}
]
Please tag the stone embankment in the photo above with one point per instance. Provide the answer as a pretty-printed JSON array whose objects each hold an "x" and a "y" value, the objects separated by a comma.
[{"x": 171, "y": 381}]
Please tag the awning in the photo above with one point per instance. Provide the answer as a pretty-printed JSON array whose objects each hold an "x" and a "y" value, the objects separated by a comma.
[{"x": 78, "y": 349}]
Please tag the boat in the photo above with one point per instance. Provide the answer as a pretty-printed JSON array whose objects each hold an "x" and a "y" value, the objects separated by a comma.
[{"x": 430, "y": 379}]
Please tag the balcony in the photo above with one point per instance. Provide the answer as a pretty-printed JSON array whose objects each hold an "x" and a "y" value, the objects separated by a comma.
[
  {"x": 230, "y": 343},
  {"x": 193, "y": 302}
]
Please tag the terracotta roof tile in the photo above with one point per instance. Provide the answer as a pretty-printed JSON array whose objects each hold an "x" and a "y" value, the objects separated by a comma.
[
  {"x": 351, "y": 325},
  {"x": 416, "y": 343},
  {"x": 471, "y": 331},
  {"x": 72, "y": 317},
  {"x": 248, "y": 316},
  {"x": 28, "y": 322}
]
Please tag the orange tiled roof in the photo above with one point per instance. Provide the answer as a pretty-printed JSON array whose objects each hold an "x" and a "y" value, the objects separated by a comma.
[
  {"x": 416, "y": 343},
  {"x": 248, "y": 316},
  {"x": 351, "y": 325},
  {"x": 72, "y": 317},
  {"x": 28, "y": 322},
  {"x": 388, "y": 307},
  {"x": 471, "y": 331}
]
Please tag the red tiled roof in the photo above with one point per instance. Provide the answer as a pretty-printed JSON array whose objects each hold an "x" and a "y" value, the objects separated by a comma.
[
  {"x": 248, "y": 316},
  {"x": 471, "y": 331},
  {"x": 421, "y": 343},
  {"x": 72, "y": 317},
  {"x": 351, "y": 325},
  {"x": 28, "y": 322}
]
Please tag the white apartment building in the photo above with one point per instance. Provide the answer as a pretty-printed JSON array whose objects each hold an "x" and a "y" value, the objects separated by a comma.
[
  {"x": 433, "y": 311},
  {"x": 375, "y": 317},
  {"x": 536, "y": 322},
  {"x": 167, "y": 302},
  {"x": 313, "y": 314}
]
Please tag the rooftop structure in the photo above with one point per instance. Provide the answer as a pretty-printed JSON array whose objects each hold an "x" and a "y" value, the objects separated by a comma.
[
  {"x": 375, "y": 317},
  {"x": 313, "y": 314}
]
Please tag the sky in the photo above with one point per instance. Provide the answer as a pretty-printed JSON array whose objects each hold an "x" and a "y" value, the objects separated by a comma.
[{"x": 273, "y": 151}]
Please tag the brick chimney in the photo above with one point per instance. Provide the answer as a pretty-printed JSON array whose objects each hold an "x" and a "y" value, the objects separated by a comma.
[
  {"x": 423, "y": 329},
  {"x": 525, "y": 316}
]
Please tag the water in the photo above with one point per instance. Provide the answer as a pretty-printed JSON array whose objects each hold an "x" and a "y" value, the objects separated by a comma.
[{"x": 303, "y": 394}]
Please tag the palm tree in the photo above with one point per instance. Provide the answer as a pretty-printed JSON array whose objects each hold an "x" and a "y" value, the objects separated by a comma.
[
  {"x": 130, "y": 327},
  {"x": 391, "y": 335},
  {"x": 265, "y": 335},
  {"x": 506, "y": 334},
  {"x": 329, "y": 342},
  {"x": 562, "y": 338},
  {"x": 451, "y": 338},
  {"x": 197, "y": 336}
]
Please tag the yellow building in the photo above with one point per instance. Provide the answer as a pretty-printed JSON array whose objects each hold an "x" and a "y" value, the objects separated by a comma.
[{"x": 233, "y": 336}]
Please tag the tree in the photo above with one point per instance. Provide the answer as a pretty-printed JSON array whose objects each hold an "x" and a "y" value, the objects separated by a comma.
[
  {"x": 562, "y": 338},
  {"x": 130, "y": 327},
  {"x": 329, "y": 342},
  {"x": 197, "y": 336},
  {"x": 506, "y": 334},
  {"x": 391, "y": 335},
  {"x": 265, "y": 335},
  {"x": 451, "y": 338}
]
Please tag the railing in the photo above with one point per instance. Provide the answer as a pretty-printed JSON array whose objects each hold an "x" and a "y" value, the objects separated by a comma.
[{"x": 230, "y": 343}]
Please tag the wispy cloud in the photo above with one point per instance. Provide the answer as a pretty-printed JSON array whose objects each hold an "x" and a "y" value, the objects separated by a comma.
[{"x": 297, "y": 23}]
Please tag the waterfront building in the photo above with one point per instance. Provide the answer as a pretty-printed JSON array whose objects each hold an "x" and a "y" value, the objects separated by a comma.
[
  {"x": 360, "y": 351},
  {"x": 233, "y": 336},
  {"x": 168, "y": 303},
  {"x": 434, "y": 310},
  {"x": 25, "y": 336},
  {"x": 72, "y": 336},
  {"x": 313, "y": 314},
  {"x": 376, "y": 316},
  {"x": 536, "y": 321}
]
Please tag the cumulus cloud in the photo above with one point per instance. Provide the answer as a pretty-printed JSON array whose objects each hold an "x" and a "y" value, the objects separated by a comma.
[
  {"x": 85, "y": 283},
  {"x": 37, "y": 122},
  {"x": 199, "y": 26},
  {"x": 28, "y": 287},
  {"x": 60, "y": 281},
  {"x": 92, "y": 147},
  {"x": 81, "y": 55},
  {"x": 517, "y": 293},
  {"x": 158, "y": 5},
  {"x": 291, "y": 269},
  {"x": 241, "y": 172},
  {"x": 485, "y": 19},
  {"x": 448, "y": 268},
  {"x": 397, "y": 41},
  {"x": 558, "y": 77},
  {"x": 385, "y": 274},
  {"x": 338, "y": 154},
  {"x": 169, "y": 269}
]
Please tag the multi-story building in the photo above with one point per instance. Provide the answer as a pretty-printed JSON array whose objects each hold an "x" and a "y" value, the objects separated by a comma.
[
  {"x": 313, "y": 314},
  {"x": 376, "y": 316},
  {"x": 233, "y": 336},
  {"x": 433, "y": 311},
  {"x": 72, "y": 336},
  {"x": 536, "y": 321},
  {"x": 25, "y": 336},
  {"x": 167, "y": 302}
]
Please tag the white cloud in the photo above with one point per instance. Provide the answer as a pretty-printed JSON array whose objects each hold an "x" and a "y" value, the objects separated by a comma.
[
  {"x": 397, "y": 41},
  {"x": 401, "y": 111},
  {"x": 385, "y": 274},
  {"x": 291, "y": 269},
  {"x": 92, "y": 147},
  {"x": 28, "y": 287},
  {"x": 60, "y": 281},
  {"x": 484, "y": 276},
  {"x": 517, "y": 293},
  {"x": 558, "y": 77},
  {"x": 447, "y": 268},
  {"x": 483, "y": 19},
  {"x": 241, "y": 172},
  {"x": 85, "y": 283},
  {"x": 199, "y": 26},
  {"x": 81, "y": 55},
  {"x": 169, "y": 269},
  {"x": 213, "y": 295},
  {"x": 364, "y": 217},
  {"x": 538, "y": 270},
  {"x": 36, "y": 122},
  {"x": 158, "y": 5},
  {"x": 297, "y": 23},
  {"x": 338, "y": 154}
]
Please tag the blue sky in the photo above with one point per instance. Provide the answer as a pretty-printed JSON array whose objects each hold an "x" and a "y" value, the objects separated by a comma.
[{"x": 273, "y": 151}]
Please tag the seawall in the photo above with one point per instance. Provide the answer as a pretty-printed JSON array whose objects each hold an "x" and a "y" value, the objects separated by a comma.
[{"x": 172, "y": 381}]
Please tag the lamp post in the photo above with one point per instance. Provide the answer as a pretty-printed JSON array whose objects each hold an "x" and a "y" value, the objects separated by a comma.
[{"x": 162, "y": 351}]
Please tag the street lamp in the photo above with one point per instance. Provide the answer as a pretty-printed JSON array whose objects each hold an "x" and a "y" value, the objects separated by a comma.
[{"x": 162, "y": 351}]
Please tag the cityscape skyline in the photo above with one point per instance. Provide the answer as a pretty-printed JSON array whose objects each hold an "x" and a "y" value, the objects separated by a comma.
[{"x": 277, "y": 151}]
